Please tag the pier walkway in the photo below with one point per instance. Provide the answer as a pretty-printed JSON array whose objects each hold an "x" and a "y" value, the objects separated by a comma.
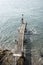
[
  {"x": 20, "y": 47},
  {"x": 21, "y": 38}
]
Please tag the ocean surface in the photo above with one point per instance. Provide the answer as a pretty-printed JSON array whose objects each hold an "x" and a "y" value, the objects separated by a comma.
[{"x": 10, "y": 20}]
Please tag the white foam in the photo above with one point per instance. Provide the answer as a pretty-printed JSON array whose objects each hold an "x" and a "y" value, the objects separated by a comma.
[{"x": 34, "y": 31}]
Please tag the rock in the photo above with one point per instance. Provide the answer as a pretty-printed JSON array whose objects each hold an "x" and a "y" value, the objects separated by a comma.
[{"x": 6, "y": 57}]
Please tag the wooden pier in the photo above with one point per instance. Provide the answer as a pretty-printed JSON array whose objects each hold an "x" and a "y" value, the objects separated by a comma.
[
  {"x": 21, "y": 38},
  {"x": 20, "y": 47},
  {"x": 22, "y": 30}
]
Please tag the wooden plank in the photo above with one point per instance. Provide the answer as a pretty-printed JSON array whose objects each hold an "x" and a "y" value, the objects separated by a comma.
[{"x": 21, "y": 39}]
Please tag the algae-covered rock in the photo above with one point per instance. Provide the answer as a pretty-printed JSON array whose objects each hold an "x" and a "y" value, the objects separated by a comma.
[{"x": 6, "y": 57}]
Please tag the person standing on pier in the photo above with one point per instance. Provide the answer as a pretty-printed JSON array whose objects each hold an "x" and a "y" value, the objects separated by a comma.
[{"x": 22, "y": 19}]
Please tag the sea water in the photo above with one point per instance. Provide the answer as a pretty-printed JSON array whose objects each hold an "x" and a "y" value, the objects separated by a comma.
[{"x": 10, "y": 20}]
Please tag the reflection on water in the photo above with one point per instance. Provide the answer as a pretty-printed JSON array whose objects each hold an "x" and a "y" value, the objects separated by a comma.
[{"x": 28, "y": 46}]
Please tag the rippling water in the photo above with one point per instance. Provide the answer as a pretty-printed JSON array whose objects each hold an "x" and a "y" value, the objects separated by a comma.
[{"x": 10, "y": 15}]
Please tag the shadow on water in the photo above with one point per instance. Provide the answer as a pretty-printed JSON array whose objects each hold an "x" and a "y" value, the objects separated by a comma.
[{"x": 28, "y": 46}]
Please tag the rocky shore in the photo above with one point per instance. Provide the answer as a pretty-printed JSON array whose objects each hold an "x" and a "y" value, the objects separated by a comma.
[{"x": 6, "y": 57}]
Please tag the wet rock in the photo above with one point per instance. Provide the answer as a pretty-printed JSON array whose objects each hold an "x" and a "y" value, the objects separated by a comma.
[{"x": 6, "y": 57}]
